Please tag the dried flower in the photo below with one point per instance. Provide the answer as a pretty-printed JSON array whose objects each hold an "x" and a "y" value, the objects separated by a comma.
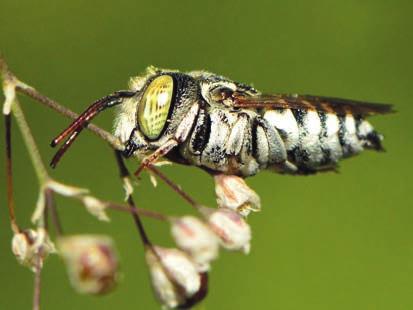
[
  {"x": 91, "y": 262},
  {"x": 196, "y": 239},
  {"x": 28, "y": 244},
  {"x": 232, "y": 230},
  {"x": 175, "y": 279},
  {"x": 233, "y": 193}
]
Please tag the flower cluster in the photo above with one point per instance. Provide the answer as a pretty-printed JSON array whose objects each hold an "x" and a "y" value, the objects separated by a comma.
[{"x": 179, "y": 277}]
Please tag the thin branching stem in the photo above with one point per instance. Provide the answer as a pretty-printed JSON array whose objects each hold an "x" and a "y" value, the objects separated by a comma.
[
  {"x": 37, "y": 282},
  {"x": 126, "y": 208},
  {"x": 28, "y": 138},
  {"x": 9, "y": 84},
  {"x": 138, "y": 222},
  {"x": 51, "y": 207},
  {"x": 174, "y": 187},
  {"x": 124, "y": 173},
  {"x": 9, "y": 172},
  {"x": 143, "y": 212}
]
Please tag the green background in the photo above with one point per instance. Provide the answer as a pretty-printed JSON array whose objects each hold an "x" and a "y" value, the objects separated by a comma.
[{"x": 332, "y": 241}]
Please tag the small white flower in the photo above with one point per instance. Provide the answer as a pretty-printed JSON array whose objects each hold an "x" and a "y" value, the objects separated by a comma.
[
  {"x": 175, "y": 278},
  {"x": 28, "y": 244},
  {"x": 232, "y": 230},
  {"x": 233, "y": 193},
  {"x": 91, "y": 262},
  {"x": 197, "y": 239},
  {"x": 96, "y": 207},
  {"x": 127, "y": 186},
  {"x": 66, "y": 190}
]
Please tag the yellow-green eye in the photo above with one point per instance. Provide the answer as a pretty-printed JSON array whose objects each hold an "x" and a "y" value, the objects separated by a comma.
[{"x": 154, "y": 106}]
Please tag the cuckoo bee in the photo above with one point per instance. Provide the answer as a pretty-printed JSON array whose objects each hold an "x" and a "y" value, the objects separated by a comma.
[{"x": 226, "y": 127}]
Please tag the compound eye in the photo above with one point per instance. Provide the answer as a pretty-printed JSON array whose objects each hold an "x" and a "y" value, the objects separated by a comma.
[
  {"x": 154, "y": 107},
  {"x": 221, "y": 93}
]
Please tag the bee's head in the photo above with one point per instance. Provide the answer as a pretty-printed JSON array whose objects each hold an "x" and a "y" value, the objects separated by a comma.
[
  {"x": 162, "y": 99},
  {"x": 155, "y": 105}
]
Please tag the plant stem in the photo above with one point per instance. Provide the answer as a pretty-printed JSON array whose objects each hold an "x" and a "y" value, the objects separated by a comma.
[
  {"x": 33, "y": 151},
  {"x": 9, "y": 172},
  {"x": 124, "y": 173},
  {"x": 145, "y": 239},
  {"x": 140, "y": 211},
  {"x": 51, "y": 207},
  {"x": 174, "y": 187},
  {"x": 126, "y": 208},
  {"x": 37, "y": 282}
]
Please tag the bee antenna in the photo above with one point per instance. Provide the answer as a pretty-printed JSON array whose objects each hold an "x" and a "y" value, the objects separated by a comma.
[{"x": 75, "y": 128}]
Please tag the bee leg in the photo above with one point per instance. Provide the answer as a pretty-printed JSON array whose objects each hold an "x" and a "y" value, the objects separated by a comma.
[
  {"x": 160, "y": 152},
  {"x": 181, "y": 134},
  {"x": 175, "y": 187},
  {"x": 286, "y": 167}
]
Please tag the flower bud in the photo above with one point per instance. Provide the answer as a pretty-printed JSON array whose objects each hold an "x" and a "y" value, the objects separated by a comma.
[
  {"x": 28, "y": 244},
  {"x": 231, "y": 228},
  {"x": 175, "y": 279},
  {"x": 196, "y": 239},
  {"x": 233, "y": 193},
  {"x": 91, "y": 262}
]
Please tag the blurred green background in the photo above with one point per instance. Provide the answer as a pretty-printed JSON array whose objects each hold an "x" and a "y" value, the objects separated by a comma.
[{"x": 332, "y": 241}]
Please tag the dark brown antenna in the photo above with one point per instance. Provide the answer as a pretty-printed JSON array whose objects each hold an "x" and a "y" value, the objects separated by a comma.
[{"x": 76, "y": 127}]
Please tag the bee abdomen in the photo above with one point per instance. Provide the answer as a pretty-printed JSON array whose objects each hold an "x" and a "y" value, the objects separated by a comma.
[
  {"x": 285, "y": 123},
  {"x": 300, "y": 131},
  {"x": 291, "y": 141},
  {"x": 347, "y": 135},
  {"x": 369, "y": 137},
  {"x": 267, "y": 144},
  {"x": 329, "y": 140},
  {"x": 317, "y": 140}
]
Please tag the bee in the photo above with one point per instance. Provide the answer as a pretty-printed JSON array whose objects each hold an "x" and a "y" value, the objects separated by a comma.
[{"x": 226, "y": 127}]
